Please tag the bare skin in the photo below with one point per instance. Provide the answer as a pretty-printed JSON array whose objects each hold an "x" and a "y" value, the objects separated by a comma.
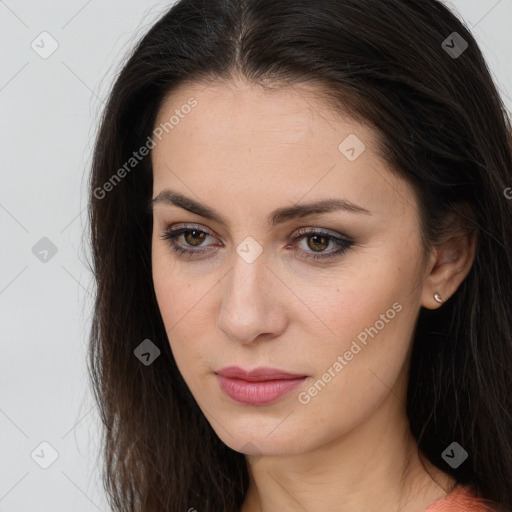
[{"x": 245, "y": 152}]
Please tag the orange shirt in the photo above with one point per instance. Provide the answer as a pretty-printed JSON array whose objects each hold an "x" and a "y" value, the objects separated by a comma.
[{"x": 460, "y": 499}]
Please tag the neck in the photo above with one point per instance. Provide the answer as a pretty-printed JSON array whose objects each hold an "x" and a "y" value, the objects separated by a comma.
[{"x": 374, "y": 467}]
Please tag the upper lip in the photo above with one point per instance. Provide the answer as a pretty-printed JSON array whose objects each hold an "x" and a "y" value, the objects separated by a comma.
[{"x": 257, "y": 374}]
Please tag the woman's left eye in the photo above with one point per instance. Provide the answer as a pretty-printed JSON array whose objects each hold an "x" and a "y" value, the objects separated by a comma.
[{"x": 316, "y": 239}]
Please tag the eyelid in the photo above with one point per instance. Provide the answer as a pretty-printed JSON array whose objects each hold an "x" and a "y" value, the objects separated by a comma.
[
  {"x": 189, "y": 227},
  {"x": 324, "y": 231}
]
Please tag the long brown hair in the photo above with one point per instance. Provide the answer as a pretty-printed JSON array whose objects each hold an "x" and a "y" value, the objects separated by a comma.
[{"x": 443, "y": 128}]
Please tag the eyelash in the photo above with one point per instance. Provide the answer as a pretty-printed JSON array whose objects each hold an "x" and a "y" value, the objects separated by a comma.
[{"x": 344, "y": 242}]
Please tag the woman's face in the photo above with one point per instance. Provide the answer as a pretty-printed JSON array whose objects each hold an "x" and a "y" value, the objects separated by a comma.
[{"x": 328, "y": 294}]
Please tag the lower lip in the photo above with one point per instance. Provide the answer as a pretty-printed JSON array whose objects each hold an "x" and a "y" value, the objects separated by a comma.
[{"x": 257, "y": 393}]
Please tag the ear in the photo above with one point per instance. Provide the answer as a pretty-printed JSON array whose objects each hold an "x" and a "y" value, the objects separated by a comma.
[{"x": 449, "y": 265}]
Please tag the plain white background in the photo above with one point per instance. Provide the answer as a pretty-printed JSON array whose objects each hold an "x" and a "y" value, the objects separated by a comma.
[{"x": 49, "y": 113}]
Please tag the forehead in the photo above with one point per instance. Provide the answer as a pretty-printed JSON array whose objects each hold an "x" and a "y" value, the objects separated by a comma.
[
  {"x": 253, "y": 142},
  {"x": 289, "y": 112}
]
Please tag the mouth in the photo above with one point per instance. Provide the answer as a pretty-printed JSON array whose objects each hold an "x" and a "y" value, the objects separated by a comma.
[{"x": 260, "y": 386}]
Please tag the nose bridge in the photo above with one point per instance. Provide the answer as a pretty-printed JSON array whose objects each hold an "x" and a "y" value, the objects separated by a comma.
[
  {"x": 244, "y": 288},
  {"x": 247, "y": 309}
]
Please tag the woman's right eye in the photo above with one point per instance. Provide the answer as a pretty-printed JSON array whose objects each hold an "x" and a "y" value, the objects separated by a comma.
[{"x": 192, "y": 236}]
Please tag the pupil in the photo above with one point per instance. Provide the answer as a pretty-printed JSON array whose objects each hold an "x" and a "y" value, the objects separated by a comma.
[
  {"x": 196, "y": 237},
  {"x": 315, "y": 245}
]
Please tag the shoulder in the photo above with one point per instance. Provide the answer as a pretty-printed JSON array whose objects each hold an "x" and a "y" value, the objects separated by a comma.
[{"x": 460, "y": 499}]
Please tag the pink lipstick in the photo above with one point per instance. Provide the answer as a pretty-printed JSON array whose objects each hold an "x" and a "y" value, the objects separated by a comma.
[{"x": 260, "y": 386}]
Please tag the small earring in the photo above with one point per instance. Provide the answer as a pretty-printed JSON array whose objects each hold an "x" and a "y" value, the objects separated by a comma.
[{"x": 438, "y": 298}]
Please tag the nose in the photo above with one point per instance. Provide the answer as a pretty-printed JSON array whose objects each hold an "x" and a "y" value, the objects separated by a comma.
[{"x": 252, "y": 308}]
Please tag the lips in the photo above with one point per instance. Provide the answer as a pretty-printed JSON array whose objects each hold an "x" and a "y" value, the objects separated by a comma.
[{"x": 260, "y": 386}]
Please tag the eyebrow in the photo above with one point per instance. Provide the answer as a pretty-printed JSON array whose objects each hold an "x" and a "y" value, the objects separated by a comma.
[{"x": 278, "y": 216}]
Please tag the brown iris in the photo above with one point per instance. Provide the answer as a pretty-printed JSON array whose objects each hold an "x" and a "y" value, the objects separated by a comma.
[
  {"x": 314, "y": 246},
  {"x": 192, "y": 239}
]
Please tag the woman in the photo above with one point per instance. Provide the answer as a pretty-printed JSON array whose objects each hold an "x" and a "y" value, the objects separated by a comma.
[{"x": 302, "y": 247}]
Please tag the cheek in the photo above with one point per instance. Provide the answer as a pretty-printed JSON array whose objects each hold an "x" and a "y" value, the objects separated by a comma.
[
  {"x": 380, "y": 291},
  {"x": 183, "y": 303},
  {"x": 354, "y": 303},
  {"x": 177, "y": 290},
  {"x": 367, "y": 322},
  {"x": 357, "y": 366}
]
